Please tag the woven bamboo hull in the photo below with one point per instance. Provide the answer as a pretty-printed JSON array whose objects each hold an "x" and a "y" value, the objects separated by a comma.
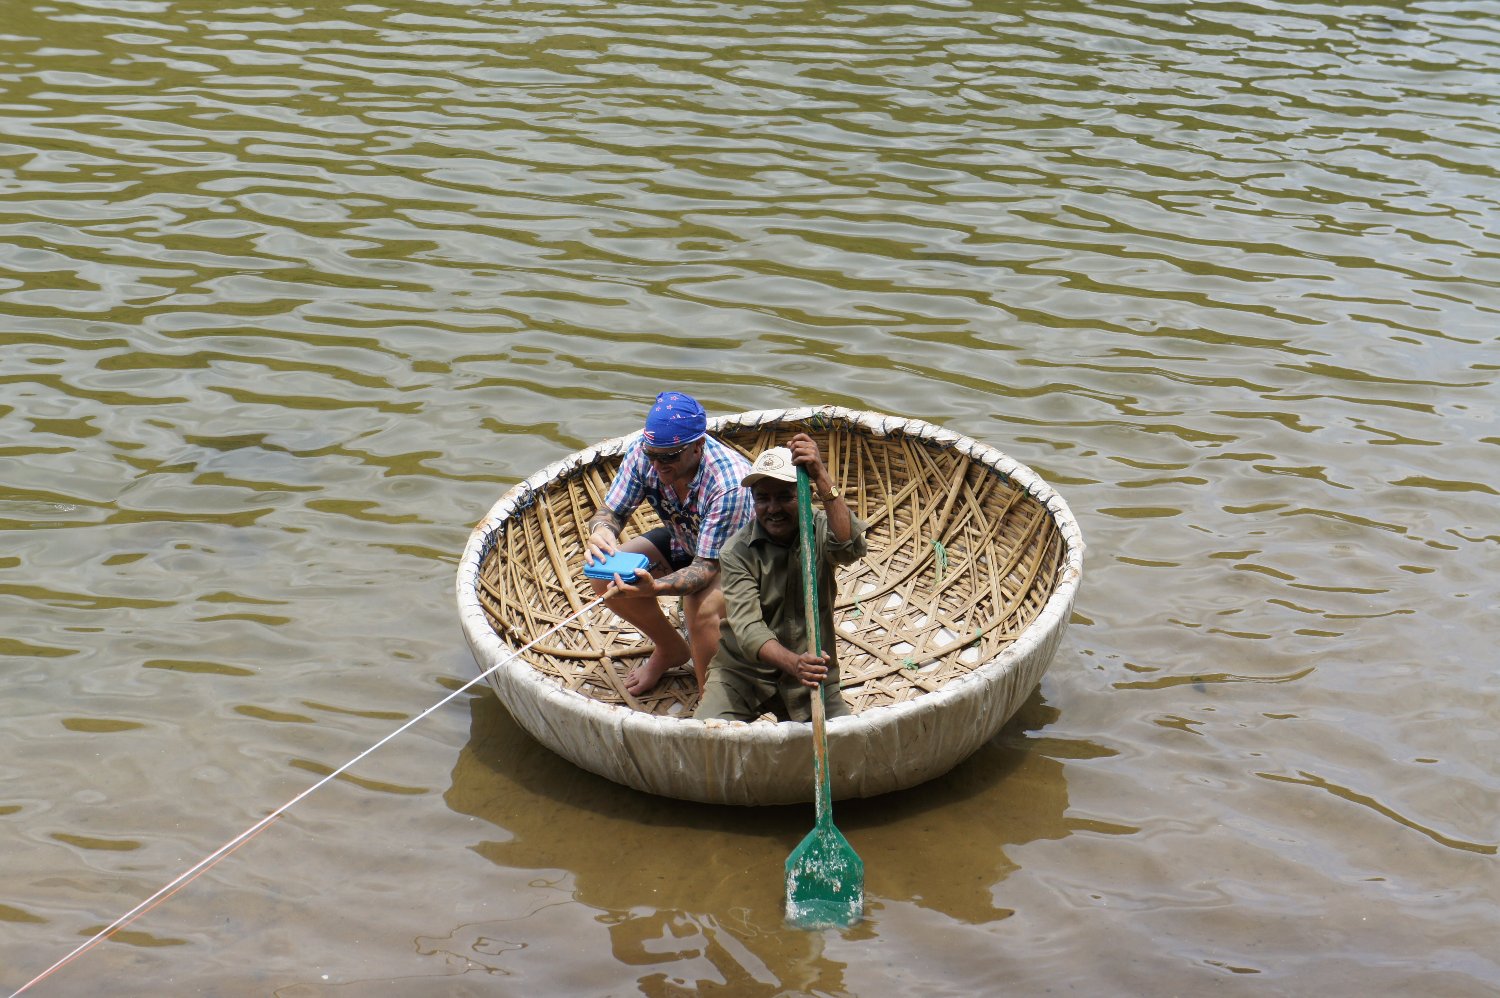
[{"x": 944, "y": 629}]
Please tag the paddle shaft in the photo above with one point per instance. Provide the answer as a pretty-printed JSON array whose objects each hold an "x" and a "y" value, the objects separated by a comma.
[
  {"x": 825, "y": 878},
  {"x": 808, "y": 536}
]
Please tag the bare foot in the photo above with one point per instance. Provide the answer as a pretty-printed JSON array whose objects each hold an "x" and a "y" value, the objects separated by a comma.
[{"x": 643, "y": 678}]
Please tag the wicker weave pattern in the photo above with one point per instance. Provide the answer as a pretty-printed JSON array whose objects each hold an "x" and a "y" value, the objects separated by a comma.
[{"x": 961, "y": 560}]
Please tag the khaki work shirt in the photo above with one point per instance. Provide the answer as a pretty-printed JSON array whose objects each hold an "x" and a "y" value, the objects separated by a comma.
[{"x": 763, "y": 599}]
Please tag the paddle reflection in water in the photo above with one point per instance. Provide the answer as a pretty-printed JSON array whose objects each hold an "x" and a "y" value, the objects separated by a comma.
[{"x": 714, "y": 874}]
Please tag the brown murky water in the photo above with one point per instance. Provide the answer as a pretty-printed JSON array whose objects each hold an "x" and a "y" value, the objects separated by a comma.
[{"x": 290, "y": 293}]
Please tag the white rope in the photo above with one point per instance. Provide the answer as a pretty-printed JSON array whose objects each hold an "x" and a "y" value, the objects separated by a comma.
[{"x": 244, "y": 836}]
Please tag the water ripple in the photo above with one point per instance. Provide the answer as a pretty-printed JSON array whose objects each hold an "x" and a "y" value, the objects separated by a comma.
[{"x": 291, "y": 292}]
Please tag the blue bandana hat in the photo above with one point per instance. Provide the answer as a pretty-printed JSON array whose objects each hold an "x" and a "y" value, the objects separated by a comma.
[{"x": 674, "y": 420}]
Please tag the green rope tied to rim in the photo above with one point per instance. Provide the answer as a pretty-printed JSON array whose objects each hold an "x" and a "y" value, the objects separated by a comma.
[{"x": 942, "y": 561}]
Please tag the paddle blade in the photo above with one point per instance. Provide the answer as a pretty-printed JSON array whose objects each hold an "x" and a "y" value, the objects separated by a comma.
[{"x": 825, "y": 881}]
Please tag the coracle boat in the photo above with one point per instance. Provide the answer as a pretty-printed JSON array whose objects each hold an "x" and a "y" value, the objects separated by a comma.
[{"x": 943, "y": 629}]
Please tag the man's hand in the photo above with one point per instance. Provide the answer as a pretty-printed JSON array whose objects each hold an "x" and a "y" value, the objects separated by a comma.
[
  {"x": 643, "y": 583},
  {"x": 601, "y": 545},
  {"x": 807, "y": 668},
  {"x": 811, "y": 669},
  {"x": 805, "y": 454},
  {"x": 604, "y": 538}
]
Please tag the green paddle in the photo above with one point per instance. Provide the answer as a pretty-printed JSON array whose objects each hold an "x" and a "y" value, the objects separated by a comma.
[{"x": 825, "y": 878}]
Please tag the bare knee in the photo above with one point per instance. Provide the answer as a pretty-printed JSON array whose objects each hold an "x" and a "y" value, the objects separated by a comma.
[{"x": 704, "y": 610}]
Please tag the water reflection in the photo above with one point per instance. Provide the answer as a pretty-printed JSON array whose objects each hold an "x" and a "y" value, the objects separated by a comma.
[{"x": 694, "y": 892}]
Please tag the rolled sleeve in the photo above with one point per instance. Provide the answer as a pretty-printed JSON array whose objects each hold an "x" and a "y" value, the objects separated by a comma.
[
  {"x": 844, "y": 552},
  {"x": 629, "y": 487}
]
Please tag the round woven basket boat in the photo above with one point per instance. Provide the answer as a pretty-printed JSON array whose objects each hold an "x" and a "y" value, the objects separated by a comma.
[{"x": 943, "y": 629}]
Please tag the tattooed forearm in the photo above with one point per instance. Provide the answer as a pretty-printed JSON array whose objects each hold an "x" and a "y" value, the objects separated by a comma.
[{"x": 691, "y": 579}]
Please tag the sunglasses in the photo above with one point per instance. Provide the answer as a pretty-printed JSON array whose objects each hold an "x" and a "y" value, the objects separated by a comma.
[{"x": 665, "y": 456}]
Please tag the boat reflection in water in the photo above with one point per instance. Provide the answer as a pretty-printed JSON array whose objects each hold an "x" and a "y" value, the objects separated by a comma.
[{"x": 713, "y": 873}]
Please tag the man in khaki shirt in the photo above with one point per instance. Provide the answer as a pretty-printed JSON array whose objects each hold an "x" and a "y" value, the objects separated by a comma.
[{"x": 763, "y": 662}]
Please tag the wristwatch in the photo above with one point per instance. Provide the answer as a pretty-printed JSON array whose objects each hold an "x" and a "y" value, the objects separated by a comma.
[{"x": 833, "y": 494}]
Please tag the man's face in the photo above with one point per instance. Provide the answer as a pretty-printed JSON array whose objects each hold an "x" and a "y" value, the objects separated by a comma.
[
  {"x": 676, "y": 462},
  {"x": 776, "y": 509}
]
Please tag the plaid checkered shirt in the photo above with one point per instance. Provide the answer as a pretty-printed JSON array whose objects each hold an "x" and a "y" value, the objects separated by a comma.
[{"x": 716, "y": 504}]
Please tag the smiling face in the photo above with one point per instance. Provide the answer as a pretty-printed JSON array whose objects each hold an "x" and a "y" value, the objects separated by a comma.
[{"x": 776, "y": 509}]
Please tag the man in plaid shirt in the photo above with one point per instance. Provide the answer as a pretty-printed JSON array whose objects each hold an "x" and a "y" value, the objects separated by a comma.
[{"x": 693, "y": 483}]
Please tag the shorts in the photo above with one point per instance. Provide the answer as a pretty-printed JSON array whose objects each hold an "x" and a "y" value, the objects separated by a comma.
[{"x": 661, "y": 539}]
